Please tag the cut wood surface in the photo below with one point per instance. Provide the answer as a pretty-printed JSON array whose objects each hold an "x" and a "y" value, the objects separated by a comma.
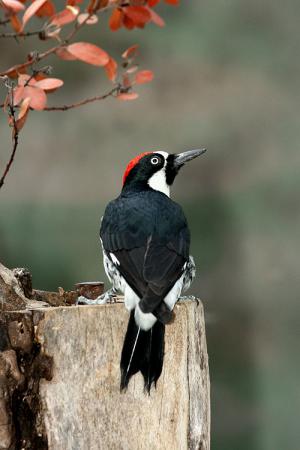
[
  {"x": 82, "y": 405},
  {"x": 59, "y": 379}
]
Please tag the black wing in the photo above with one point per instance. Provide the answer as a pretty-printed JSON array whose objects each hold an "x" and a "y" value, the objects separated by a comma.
[{"x": 148, "y": 234}]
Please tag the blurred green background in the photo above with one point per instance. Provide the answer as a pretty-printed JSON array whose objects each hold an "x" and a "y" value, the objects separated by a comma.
[{"x": 227, "y": 76}]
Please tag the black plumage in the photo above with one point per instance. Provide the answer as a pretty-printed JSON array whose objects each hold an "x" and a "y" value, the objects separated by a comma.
[
  {"x": 145, "y": 237},
  {"x": 148, "y": 234},
  {"x": 147, "y": 356}
]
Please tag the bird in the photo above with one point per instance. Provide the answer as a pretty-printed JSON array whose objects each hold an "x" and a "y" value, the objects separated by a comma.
[{"x": 145, "y": 241}]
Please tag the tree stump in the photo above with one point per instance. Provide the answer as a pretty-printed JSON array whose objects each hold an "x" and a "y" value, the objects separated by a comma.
[{"x": 59, "y": 382}]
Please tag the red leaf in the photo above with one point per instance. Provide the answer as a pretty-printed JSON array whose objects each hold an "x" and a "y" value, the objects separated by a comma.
[
  {"x": 88, "y": 53},
  {"x": 138, "y": 14},
  {"x": 74, "y": 9},
  {"x": 73, "y": 2},
  {"x": 49, "y": 84},
  {"x": 15, "y": 23},
  {"x": 128, "y": 96},
  {"x": 115, "y": 21},
  {"x": 39, "y": 76},
  {"x": 155, "y": 18},
  {"x": 18, "y": 94},
  {"x": 64, "y": 17},
  {"x": 152, "y": 3},
  {"x": 128, "y": 23},
  {"x": 130, "y": 52},
  {"x": 23, "y": 113},
  {"x": 132, "y": 69},
  {"x": 24, "y": 107},
  {"x": 90, "y": 21},
  {"x": 48, "y": 9},
  {"x": 136, "y": 2},
  {"x": 63, "y": 53},
  {"x": 14, "y": 73},
  {"x": 144, "y": 76},
  {"x": 172, "y": 2},
  {"x": 111, "y": 69},
  {"x": 13, "y": 5},
  {"x": 38, "y": 98},
  {"x": 23, "y": 79},
  {"x": 31, "y": 10}
]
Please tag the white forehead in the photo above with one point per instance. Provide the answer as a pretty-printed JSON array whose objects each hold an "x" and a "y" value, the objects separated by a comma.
[{"x": 164, "y": 154}]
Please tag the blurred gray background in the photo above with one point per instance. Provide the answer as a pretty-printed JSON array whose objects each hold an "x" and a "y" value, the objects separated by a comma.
[{"x": 227, "y": 77}]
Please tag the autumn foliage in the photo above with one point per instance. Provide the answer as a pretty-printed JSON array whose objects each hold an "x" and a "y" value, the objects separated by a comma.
[{"x": 29, "y": 85}]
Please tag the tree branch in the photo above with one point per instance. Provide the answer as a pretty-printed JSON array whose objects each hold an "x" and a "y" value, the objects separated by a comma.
[
  {"x": 84, "y": 102},
  {"x": 4, "y": 22},
  {"x": 96, "y": 98},
  {"x": 15, "y": 136},
  {"x": 37, "y": 58},
  {"x": 40, "y": 56},
  {"x": 8, "y": 165},
  {"x": 34, "y": 58},
  {"x": 24, "y": 34}
]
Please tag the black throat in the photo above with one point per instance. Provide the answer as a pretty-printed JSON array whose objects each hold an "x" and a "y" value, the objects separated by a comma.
[{"x": 171, "y": 170}]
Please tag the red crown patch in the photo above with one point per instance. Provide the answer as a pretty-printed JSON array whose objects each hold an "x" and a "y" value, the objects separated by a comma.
[{"x": 132, "y": 164}]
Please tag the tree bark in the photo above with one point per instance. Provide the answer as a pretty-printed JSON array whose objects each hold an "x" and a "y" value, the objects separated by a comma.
[{"x": 59, "y": 379}]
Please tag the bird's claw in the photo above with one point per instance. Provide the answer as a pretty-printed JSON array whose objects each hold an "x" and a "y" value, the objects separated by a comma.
[{"x": 110, "y": 298}]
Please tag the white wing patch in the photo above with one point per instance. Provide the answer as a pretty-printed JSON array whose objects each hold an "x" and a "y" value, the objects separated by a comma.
[
  {"x": 113, "y": 274},
  {"x": 173, "y": 295},
  {"x": 145, "y": 320},
  {"x": 130, "y": 297},
  {"x": 114, "y": 259},
  {"x": 189, "y": 273},
  {"x": 118, "y": 282}
]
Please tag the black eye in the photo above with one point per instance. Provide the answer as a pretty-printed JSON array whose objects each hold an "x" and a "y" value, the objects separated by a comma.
[{"x": 154, "y": 160}]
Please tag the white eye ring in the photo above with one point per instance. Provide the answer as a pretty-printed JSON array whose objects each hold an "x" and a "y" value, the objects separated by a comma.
[{"x": 154, "y": 160}]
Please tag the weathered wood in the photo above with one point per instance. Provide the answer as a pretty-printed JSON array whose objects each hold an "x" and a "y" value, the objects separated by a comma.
[
  {"x": 82, "y": 405},
  {"x": 59, "y": 379},
  {"x": 11, "y": 294},
  {"x": 16, "y": 290}
]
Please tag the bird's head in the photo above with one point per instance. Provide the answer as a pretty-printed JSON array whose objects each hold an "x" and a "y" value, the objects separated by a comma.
[{"x": 156, "y": 169}]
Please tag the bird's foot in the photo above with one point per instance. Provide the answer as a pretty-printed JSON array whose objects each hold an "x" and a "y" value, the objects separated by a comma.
[
  {"x": 108, "y": 297},
  {"x": 189, "y": 297}
]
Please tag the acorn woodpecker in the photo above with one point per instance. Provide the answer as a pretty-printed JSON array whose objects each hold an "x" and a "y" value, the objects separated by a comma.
[{"x": 145, "y": 241}]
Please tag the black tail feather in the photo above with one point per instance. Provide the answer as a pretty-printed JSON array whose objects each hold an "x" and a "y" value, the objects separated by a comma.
[
  {"x": 153, "y": 363},
  {"x": 142, "y": 351}
]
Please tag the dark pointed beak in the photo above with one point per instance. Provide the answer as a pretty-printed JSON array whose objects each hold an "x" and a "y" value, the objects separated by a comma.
[{"x": 184, "y": 157}]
